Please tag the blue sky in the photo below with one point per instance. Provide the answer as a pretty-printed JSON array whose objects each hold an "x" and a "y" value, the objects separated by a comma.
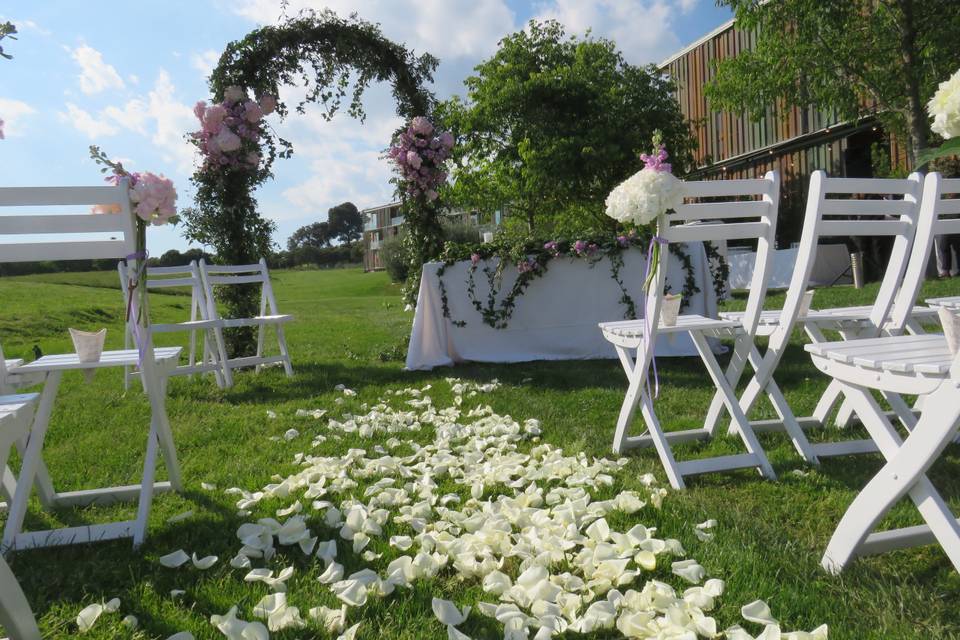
[{"x": 125, "y": 77}]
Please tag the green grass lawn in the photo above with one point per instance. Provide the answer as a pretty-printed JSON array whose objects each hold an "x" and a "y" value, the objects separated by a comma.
[{"x": 349, "y": 329}]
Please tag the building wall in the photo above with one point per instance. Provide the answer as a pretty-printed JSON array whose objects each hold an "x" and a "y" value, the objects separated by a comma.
[
  {"x": 792, "y": 140},
  {"x": 379, "y": 224}
]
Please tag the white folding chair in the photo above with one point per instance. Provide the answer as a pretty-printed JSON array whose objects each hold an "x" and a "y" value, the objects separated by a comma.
[
  {"x": 232, "y": 275},
  {"x": 911, "y": 364},
  {"x": 751, "y": 218},
  {"x": 15, "y": 614},
  {"x": 214, "y": 352},
  {"x": 69, "y": 234},
  {"x": 892, "y": 212}
]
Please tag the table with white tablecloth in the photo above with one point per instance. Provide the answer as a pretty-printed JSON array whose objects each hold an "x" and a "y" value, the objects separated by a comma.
[{"x": 554, "y": 319}]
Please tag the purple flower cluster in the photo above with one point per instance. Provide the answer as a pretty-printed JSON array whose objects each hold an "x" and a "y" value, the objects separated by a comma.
[
  {"x": 230, "y": 131},
  {"x": 553, "y": 247},
  {"x": 418, "y": 157},
  {"x": 530, "y": 264},
  {"x": 657, "y": 162}
]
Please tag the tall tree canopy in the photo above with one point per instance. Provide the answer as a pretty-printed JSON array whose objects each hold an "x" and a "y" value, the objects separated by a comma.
[
  {"x": 311, "y": 235},
  {"x": 551, "y": 123},
  {"x": 855, "y": 56},
  {"x": 7, "y": 30},
  {"x": 346, "y": 223}
]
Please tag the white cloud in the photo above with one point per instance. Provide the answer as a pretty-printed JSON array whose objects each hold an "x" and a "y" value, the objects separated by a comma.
[
  {"x": 686, "y": 6},
  {"x": 643, "y": 30},
  {"x": 95, "y": 74},
  {"x": 205, "y": 62},
  {"x": 446, "y": 28},
  {"x": 13, "y": 112},
  {"x": 86, "y": 123}
]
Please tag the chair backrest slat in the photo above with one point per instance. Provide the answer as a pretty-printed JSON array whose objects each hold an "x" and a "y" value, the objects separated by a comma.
[
  {"x": 851, "y": 207},
  {"x": 865, "y": 227},
  {"x": 28, "y": 237},
  {"x": 708, "y": 232},
  {"x": 229, "y": 275},
  {"x": 228, "y": 280}
]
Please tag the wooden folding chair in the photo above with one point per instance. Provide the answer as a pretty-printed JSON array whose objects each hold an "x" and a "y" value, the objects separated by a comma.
[
  {"x": 913, "y": 364},
  {"x": 214, "y": 352},
  {"x": 892, "y": 211},
  {"x": 748, "y": 209},
  {"x": 232, "y": 275},
  {"x": 73, "y": 235}
]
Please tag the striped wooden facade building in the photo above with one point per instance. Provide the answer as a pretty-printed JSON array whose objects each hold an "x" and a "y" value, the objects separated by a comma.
[{"x": 792, "y": 140}]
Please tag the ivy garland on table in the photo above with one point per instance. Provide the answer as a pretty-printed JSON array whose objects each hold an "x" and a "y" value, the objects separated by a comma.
[{"x": 532, "y": 259}]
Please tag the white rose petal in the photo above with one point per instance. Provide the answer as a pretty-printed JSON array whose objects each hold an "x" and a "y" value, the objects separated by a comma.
[
  {"x": 175, "y": 559},
  {"x": 757, "y": 611},
  {"x": 88, "y": 616},
  {"x": 447, "y": 612},
  {"x": 204, "y": 563},
  {"x": 130, "y": 622}
]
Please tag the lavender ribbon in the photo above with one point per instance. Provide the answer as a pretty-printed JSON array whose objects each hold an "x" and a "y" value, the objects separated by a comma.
[
  {"x": 133, "y": 311},
  {"x": 648, "y": 322}
]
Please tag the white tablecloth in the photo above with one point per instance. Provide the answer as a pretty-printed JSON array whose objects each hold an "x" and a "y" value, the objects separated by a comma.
[{"x": 555, "y": 319}]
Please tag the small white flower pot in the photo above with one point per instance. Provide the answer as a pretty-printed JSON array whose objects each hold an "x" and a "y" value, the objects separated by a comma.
[
  {"x": 670, "y": 309},
  {"x": 805, "y": 302},
  {"x": 487, "y": 237},
  {"x": 951, "y": 328},
  {"x": 89, "y": 347}
]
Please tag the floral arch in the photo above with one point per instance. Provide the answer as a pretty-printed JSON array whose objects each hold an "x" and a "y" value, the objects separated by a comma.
[{"x": 329, "y": 56}]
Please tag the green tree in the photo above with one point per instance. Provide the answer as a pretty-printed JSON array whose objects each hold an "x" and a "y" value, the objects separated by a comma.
[
  {"x": 7, "y": 30},
  {"x": 346, "y": 223},
  {"x": 312, "y": 235},
  {"x": 551, "y": 123},
  {"x": 857, "y": 57}
]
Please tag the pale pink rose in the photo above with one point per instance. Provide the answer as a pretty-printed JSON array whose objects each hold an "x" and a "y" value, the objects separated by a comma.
[
  {"x": 413, "y": 159},
  {"x": 233, "y": 94},
  {"x": 213, "y": 119},
  {"x": 268, "y": 104},
  {"x": 421, "y": 125},
  {"x": 199, "y": 109},
  {"x": 252, "y": 111},
  {"x": 432, "y": 195},
  {"x": 227, "y": 140},
  {"x": 155, "y": 197},
  {"x": 253, "y": 158},
  {"x": 446, "y": 139}
]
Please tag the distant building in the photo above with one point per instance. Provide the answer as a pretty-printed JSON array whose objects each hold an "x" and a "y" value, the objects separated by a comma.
[
  {"x": 386, "y": 221},
  {"x": 792, "y": 140}
]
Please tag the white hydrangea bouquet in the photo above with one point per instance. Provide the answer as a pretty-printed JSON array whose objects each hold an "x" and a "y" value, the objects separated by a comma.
[
  {"x": 645, "y": 196},
  {"x": 944, "y": 107}
]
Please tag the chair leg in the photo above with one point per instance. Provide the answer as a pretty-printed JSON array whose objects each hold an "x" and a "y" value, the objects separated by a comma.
[
  {"x": 904, "y": 473},
  {"x": 629, "y": 406},
  {"x": 282, "y": 342},
  {"x": 744, "y": 430},
  {"x": 738, "y": 362},
  {"x": 828, "y": 400},
  {"x": 660, "y": 442},
  {"x": 15, "y": 614},
  {"x": 224, "y": 360}
]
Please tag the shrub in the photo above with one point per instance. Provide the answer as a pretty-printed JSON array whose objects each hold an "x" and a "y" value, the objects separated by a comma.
[{"x": 394, "y": 258}]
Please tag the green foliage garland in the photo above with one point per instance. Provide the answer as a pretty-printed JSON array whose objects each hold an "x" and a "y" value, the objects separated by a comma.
[
  {"x": 533, "y": 259},
  {"x": 326, "y": 54}
]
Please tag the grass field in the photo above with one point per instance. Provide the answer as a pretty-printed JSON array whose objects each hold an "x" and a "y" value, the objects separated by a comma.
[{"x": 350, "y": 327}]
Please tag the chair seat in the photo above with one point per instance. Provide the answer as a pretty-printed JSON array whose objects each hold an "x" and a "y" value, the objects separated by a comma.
[
  {"x": 951, "y": 302},
  {"x": 256, "y": 321},
  {"x": 14, "y": 404},
  {"x": 904, "y": 364},
  {"x": 771, "y": 317},
  {"x": 189, "y": 325},
  {"x": 9, "y": 364},
  {"x": 690, "y": 322}
]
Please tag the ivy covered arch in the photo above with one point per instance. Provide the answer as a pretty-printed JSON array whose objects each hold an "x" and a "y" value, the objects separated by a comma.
[{"x": 334, "y": 59}]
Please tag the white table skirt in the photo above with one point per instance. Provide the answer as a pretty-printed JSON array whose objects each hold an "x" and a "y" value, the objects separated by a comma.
[{"x": 555, "y": 319}]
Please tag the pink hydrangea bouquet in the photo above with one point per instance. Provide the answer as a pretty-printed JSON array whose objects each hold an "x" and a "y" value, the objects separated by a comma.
[
  {"x": 230, "y": 131},
  {"x": 419, "y": 155}
]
